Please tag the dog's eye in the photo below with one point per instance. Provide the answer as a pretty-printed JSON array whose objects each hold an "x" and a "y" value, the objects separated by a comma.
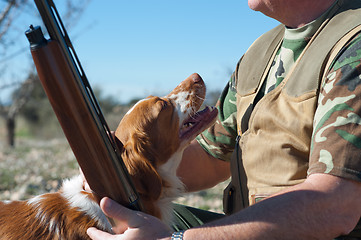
[{"x": 163, "y": 104}]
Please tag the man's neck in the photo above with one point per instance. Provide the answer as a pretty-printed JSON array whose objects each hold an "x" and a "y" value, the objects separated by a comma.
[{"x": 297, "y": 13}]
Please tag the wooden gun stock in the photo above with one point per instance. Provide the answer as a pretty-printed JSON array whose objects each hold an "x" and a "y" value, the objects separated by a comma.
[{"x": 77, "y": 110}]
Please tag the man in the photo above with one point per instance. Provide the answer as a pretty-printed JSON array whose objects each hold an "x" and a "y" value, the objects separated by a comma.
[{"x": 297, "y": 110}]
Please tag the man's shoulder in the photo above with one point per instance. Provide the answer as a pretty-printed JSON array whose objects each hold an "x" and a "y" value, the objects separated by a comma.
[{"x": 350, "y": 54}]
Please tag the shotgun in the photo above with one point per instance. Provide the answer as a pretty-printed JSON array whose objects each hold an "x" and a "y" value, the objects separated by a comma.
[{"x": 78, "y": 111}]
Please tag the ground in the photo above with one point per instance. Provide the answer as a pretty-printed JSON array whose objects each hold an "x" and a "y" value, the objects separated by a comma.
[{"x": 38, "y": 166}]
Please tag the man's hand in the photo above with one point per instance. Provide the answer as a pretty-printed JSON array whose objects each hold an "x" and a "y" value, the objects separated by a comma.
[{"x": 130, "y": 225}]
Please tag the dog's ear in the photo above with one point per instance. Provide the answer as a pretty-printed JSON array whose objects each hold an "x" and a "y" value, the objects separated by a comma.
[
  {"x": 146, "y": 179},
  {"x": 118, "y": 143}
]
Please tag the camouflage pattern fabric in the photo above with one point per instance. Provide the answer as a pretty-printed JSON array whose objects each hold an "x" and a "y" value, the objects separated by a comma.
[
  {"x": 336, "y": 143},
  {"x": 220, "y": 139},
  {"x": 294, "y": 41}
]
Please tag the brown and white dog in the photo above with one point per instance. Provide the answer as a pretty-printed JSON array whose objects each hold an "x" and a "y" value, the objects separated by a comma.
[{"x": 154, "y": 134}]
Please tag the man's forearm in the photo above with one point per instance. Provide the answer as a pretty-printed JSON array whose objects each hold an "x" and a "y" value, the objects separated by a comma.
[
  {"x": 199, "y": 170},
  {"x": 315, "y": 209},
  {"x": 306, "y": 211}
]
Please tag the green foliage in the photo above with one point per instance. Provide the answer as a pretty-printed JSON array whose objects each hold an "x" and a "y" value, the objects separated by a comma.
[
  {"x": 133, "y": 101},
  {"x": 23, "y": 132},
  {"x": 106, "y": 102},
  {"x": 37, "y": 110},
  {"x": 7, "y": 179},
  {"x": 40, "y": 120}
]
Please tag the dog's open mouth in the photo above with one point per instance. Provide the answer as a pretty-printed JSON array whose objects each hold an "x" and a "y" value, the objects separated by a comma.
[{"x": 197, "y": 122}]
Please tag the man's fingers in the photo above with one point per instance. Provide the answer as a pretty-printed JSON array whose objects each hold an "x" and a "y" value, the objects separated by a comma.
[
  {"x": 122, "y": 216},
  {"x": 96, "y": 234},
  {"x": 129, "y": 224},
  {"x": 113, "y": 209}
]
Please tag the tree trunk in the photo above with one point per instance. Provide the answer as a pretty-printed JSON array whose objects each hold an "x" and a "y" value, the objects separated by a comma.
[{"x": 10, "y": 127}]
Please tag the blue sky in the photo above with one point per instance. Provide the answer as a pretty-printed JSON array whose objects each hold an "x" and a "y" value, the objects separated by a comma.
[{"x": 135, "y": 48}]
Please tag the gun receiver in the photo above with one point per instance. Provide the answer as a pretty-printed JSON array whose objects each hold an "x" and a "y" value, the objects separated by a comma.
[{"x": 77, "y": 110}]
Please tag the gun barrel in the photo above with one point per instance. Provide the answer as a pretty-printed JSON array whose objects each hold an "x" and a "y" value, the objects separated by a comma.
[{"x": 96, "y": 154}]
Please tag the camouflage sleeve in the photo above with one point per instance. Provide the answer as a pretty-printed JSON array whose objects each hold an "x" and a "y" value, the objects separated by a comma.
[
  {"x": 336, "y": 142},
  {"x": 219, "y": 140}
]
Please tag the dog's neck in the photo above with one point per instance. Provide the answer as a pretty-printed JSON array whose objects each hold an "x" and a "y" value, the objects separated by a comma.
[{"x": 173, "y": 186}]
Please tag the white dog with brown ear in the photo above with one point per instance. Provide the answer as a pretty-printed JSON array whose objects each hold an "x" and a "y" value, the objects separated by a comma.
[{"x": 154, "y": 134}]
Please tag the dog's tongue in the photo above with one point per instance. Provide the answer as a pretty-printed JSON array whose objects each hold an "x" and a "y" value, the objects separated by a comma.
[{"x": 198, "y": 122}]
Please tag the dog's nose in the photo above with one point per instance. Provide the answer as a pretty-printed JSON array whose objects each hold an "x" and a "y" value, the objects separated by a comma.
[{"x": 196, "y": 78}]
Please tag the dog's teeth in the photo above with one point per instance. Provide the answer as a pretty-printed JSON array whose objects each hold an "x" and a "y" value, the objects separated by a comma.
[{"x": 188, "y": 124}]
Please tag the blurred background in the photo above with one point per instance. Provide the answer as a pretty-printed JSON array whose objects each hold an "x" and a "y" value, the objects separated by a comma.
[{"x": 129, "y": 50}]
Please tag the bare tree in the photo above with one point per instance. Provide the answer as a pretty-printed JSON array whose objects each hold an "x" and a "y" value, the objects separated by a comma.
[
  {"x": 20, "y": 97},
  {"x": 11, "y": 10}
]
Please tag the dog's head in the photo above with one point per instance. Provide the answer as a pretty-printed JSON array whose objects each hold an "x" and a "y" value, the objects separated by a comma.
[{"x": 157, "y": 128}]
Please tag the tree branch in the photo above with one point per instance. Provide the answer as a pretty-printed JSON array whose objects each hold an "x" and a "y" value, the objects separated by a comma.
[{"x": 21, "y": 96}]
